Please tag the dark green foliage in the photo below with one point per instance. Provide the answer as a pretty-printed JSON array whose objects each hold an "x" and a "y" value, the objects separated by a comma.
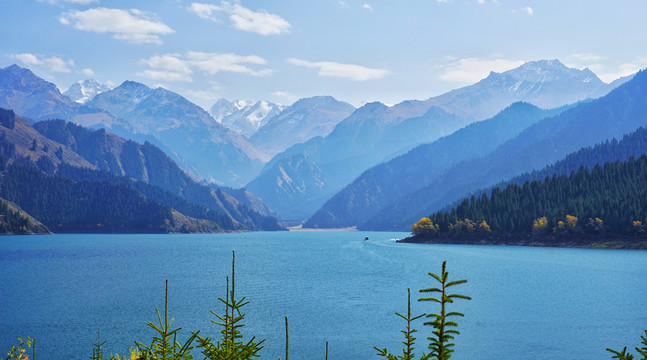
[
  {"x": 231, "y": 344},
  {"x": 152, "y": 192},
  {"x": 410, "y": 340},
  {"x": 7, "y": 118},
  {"x": 97, "y": 350},
  {"x": 11, "y": 221},
  {"x": 7, "y": 149},
  {"x": 444, "y": 328},
  {"x": 615, "y": 193},
  {"x": 164, "y": 345},
  {"x": 624, "y": 355},
  {"x": 83, "y": 206}
]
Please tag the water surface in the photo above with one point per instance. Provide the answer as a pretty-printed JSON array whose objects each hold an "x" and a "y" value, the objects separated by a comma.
[{"x": 528, "y": 303}]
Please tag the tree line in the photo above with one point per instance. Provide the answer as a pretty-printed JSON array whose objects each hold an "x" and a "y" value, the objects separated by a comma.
[{"x": 609, "y": 199}]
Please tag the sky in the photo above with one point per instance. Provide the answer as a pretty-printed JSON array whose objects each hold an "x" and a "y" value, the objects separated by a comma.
[{"x": 284, "y": 50}]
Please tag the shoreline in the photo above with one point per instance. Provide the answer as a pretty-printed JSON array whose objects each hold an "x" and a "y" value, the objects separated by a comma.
[
  {"x": 517, "y": 240},
  {"x": 301, "y": 228}
]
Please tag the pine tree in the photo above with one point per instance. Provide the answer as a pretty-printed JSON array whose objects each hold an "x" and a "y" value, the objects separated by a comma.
[
  {"x": 231, "y": 345},
  {"x": 444, "y": 329},
  {"x": 164, "y": 346},
  {"x": 409, "y": 342}
]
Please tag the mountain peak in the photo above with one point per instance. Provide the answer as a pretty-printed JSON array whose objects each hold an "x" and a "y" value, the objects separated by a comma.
[
  {"x": 542, "y": 71},
  {"x": 129, "y": 84},
  {"x": 86, "y": 90}
]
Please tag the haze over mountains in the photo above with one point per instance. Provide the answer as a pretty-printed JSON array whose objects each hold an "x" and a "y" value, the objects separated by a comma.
[
  {"x": 322, "y": 159},
  {"x": 376, "y": 132},
  {"x": 621, "y": 111}
]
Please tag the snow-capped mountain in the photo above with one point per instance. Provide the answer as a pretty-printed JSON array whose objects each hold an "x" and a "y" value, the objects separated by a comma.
[
  {"x": 36, "y": 99},
  {"x": 86, "y": 90},
  {"x": 244, "y": 116},
  {"x": 304, "y": 120},
  {"x": 544, "y": 83}
]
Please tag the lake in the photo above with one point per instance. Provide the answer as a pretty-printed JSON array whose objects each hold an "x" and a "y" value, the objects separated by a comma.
[{"x": 528, "y": 303}]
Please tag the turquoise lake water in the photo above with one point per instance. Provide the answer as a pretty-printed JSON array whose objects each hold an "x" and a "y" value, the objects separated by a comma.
[{"x": 528, "y": 303}]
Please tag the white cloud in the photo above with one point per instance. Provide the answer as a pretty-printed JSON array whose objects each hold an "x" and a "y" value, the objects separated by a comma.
[
  {"x": 206, "y": 11},
  {"x": 162, "y": 75},
  {"x": 528, "y": 10},
  {"x": 603, "y": 67},
  {"x": 53, "y": 63},
  {"x": 367, "y": 7},
  {"x": 87, "y": 72},
  {"x": 213, "y": 63},
  {"x": 343, "y": 4},
  {"x": 480, "y": 1},
  {"x": 347, "y": 71},
  {"x": 622, "y": 70},
  {"x": 287, "y": 97},
  {"x": 441, "y": 1},
  {"x": 69, "y": 1},
  {"x": 168, "y": 62},
  {"x": 581, "y": 61},
  {"x": 471, "y": 70},
  {"x": 242, "y": 18},
  {"x": 177, "y": 67},
  {"x": 129, "y": 25}
]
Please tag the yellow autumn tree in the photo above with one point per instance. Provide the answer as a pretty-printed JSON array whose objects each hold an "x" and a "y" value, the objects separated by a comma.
[
  {"x": 595, "y": 226},
  {"x": 425, "y": 227},
  {"x": 484, "y": 227},
  {"x": 463, "y": 227},
  {"x": 568, "y": 226},
  {"x": 540, "y": 226}
]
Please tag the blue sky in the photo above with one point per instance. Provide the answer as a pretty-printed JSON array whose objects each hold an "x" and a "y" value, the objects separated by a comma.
[{"x": 280, "y": 50}]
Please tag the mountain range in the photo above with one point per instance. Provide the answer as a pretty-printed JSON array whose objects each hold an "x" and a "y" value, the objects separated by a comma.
[
  {"x": 377, "y": 186},
  {"x": 70, "y": 153},
  {"x": 192, "y": 136},
  {"x": 376, "y": 133},
  {"x": 302, "y": 121},
  {"x": 314, "y": 159},
  {"x": 621, "y": 111}
]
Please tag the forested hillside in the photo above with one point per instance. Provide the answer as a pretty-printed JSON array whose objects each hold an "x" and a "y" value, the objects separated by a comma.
[
  {"x": 148, "y": 164},
  {"x": 608, "y": 200}
]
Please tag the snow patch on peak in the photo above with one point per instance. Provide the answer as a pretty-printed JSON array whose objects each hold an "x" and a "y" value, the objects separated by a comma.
[
  {"x": 244, "y": 116},
  {"x": 86, "y": 90}
]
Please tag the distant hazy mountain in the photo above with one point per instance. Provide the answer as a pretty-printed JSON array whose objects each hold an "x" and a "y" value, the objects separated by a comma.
[
  {"x": 379, "y": 185},
  {"x": 304, "y": 120},
  {"x": 621, "y": 111},
  {"x": 375, "y": 132},
  {"x": 36, "y": 99},
  {"x": 545, "y": 83},
  {"x": 244, "y": 116},
  {"x": 197, "y": 140},
  {"x": 369, "y": 135},
  {"x": 86, "y": 90}
]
